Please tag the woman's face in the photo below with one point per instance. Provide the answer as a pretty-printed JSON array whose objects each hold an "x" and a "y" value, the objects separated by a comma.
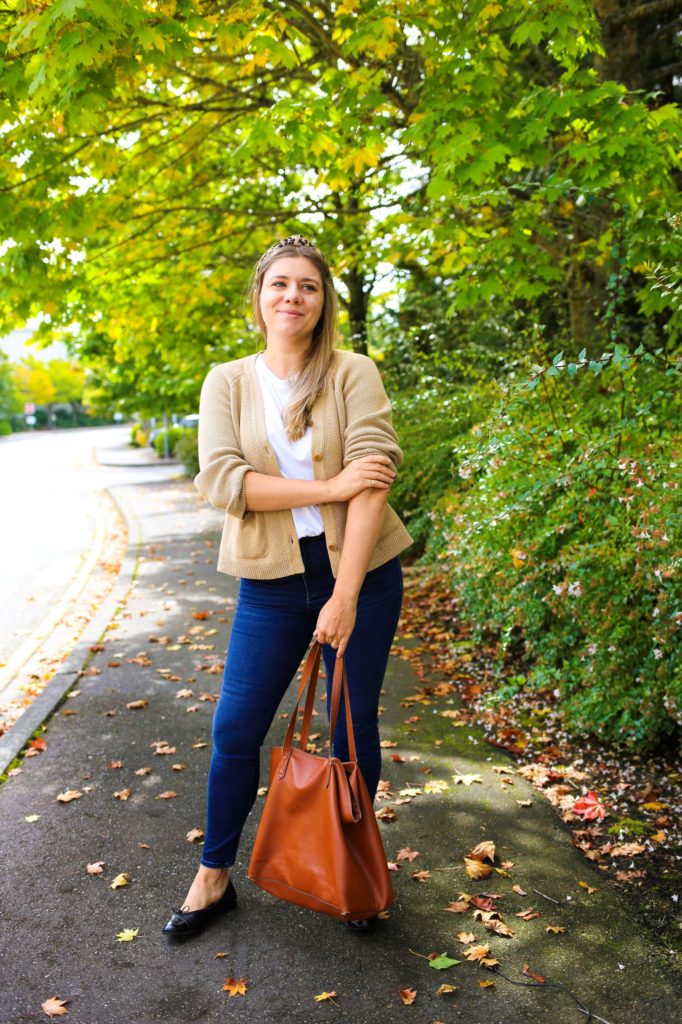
[{"x": 291, "y": 298}]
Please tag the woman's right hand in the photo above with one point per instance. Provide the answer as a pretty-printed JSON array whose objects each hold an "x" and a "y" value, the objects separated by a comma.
[{"x": 375, "y": 471}]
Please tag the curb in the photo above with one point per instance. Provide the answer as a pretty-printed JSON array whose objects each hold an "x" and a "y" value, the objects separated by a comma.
[{"x": 13, "y": 742}]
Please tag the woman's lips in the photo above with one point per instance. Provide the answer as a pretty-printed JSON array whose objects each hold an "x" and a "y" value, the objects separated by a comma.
[{"x": 289, "y": 312}]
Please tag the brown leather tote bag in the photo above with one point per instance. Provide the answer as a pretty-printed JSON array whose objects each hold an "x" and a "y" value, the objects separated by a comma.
[{"x": 318, "y": 843}]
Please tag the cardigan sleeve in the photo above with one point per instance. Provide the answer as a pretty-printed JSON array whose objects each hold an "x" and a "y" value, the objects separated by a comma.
[
  {"x": 369, "y": 425},
  {"x": 222, "y": 466}
]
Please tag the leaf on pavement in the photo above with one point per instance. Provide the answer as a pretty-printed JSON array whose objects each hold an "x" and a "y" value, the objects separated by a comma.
[
  {"x": 458, "y": 907},
  {"x": 120, "y": 881},
  {"x": 528, "y": 914},
  {"x": 628, "y": 850},
  {"x": 476, "y": 952},
  {"x": 440, "y": 963},
  {"x": 467, "y": 780},
  {"x": 115, "y": 764},
  {"x": 408, "y": 995},
  {"x": 407, "y": 854},
  {"x": 127, "y": 935},
  {"x": 555, "y": 929},
  {"x": 475, "y": 869},
  {"x": 136, "y": 705},
  {"x": 465, "y": 937},
  {"x": 589, "y": 807},
  {"x": 386, "y": 814},
  {"x": 38, "y": 744},
  {"x": 235, "y": 986},
  {"x": 31, "y": 818},
  {"x": 54, "y": 1007},
  {"x": 143, "y": 771},
  {"x": 194, "y": 835},
  {"x": 68, "y": 795},
  {"x": 499, "y": 928},
  {"x": 421, "y": 876},
  {"x": 486, "y": 984},
  {"x": 167, "y": 795},
  {"x": 484, "y": 851},
  {"x": 532, "y": 974},
  {"x": 326, "y": 996},
  {"x": 95, "y": 869},
  {"x": 123, "y": 794},
  {"x": 444, "y": 990}
]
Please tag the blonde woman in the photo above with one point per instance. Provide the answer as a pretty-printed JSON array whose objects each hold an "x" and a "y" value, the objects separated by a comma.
[{"x": 297, "y": 445}]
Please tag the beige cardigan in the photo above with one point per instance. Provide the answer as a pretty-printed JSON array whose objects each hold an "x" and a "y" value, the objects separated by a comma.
[{"x": 351, "y": 417}]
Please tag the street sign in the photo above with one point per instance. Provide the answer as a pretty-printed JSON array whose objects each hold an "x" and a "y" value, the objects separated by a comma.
[{"x": 30, "y": 407}]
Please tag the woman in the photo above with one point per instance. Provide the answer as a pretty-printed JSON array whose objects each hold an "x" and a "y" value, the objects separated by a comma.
[{"x": 296, "y": 444}]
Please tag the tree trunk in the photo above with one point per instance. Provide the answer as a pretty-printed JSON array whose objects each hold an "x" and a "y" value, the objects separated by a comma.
[{"x": 358, "y": 307}]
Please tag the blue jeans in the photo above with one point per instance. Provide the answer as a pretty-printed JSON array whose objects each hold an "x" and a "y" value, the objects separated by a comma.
[{"x": 272, "y": 629}]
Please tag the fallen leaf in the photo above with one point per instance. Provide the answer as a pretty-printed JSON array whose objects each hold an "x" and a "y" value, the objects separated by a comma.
[
  {"x": 388, "y": 743},
  {"x": 235, "y": 986},
  {"x": 95, "y": 869},
  {"x": 525, "y": 803},
  {"x": 69, "y": 795},
  {"x": 194, "y": 835},
  {"x": 115, "y": 764},
  {"x": 220, "y": 956},
  {"x": 386, "y": 814},
  {"x": 659, "y": 837},
  {"x": 458, "y": 907},
  {"x": 518, "y": 890},
  {"x": 465, "y": 937},
  {"x": 120, "y": 881},
  {"x": 484, "y": 851},
  {"x": 590, "y": 888},
  {"x": 123, "y": 794},
  {"x": 31, "y": 818},
  {"x": 589, "y": 807},
  {"x": 440, "y": 963},
  {"x": 529, "y": 914},
  {"x": 475, "y": 869},
  {"x": 499, "y": 928},
  {"x": 167, "y": 795},
  {"x": 324, "y": 996},
  {"x": 54, "y": 1007},
  {"x": 531, "y": 974},
  {"x": 467, "y": 780},
  {"x": 127, "y": 935},
  {"x": 184, "y": 693},
  {"x": 628, "y": 850},
  {"x": 407, "y": 854},
  {"x": 555, "y": 929},
  {"x": 39, "y": 744},
  {"x": 397, "y": 759},
  {"x": 178, "y": 767},
  {"x": 486, "y": 984},
  {"x": 476, "y": 952},
  {"x": 408, "y": 995},
  {"x": 421, "y": 876},
  {"x": 444, "y": 990},
  {"x": 135, "y": 705}
]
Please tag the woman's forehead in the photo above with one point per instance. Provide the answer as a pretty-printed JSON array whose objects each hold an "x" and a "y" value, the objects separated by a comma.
[{"x": 297, "y": 267}]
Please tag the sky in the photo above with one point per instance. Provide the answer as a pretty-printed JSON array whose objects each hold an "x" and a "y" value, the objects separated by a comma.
[{"x": 15, "y": 346}]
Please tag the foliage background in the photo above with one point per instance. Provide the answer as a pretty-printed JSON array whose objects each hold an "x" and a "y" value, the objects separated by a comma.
[{"x": 498, "y": 188}]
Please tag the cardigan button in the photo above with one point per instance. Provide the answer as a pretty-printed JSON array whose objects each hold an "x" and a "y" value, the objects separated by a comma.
[
  {"x": 333, "y": 547},
  {"x": 318, "y": 457}
]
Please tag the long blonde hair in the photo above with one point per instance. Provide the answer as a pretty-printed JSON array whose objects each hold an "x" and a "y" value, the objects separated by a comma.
[{"x": 312, "y": 376}]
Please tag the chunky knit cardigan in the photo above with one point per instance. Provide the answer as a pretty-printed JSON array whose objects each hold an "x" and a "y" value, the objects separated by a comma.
[{"x": 351, "y": 418}]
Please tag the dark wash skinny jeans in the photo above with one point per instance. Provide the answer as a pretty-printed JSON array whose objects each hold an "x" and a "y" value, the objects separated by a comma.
[{"x": 272, "y": 629}]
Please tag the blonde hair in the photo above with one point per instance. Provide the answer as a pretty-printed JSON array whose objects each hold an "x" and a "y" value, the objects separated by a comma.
[{"x": 312, "y": 376}]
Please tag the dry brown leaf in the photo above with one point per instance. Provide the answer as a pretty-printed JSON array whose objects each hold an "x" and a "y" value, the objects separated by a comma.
[
  {"x": 386, "y": 814},
  {"x": 68, "y": 795},
  {"x": 136, "y": 705},
  {"x": 628, "y": 850},
  {"x": 221, "y": 956},
  {"x": 143, "y": 771},
  {"x": 532, "y": 974},
  {"x": 486, "y": 984},
  {"x": 178, "y": 767},
  {"x": 123, "y": 794},
  {"x": 115, "y": 764},
  {"x": 407, "y": 854},
  {"x": 465, "y": 937},
  {"x": 475, "y": 869},
  {"x": 167, "y": 795},
  {"x": 476, "y": 952},
  {"x": 54, "y": 1007},
  {"x": 95, "y": 869},
  {"x": 528, "y": 914},
  {"x": 499, "y": 928},
  {"x": 194, "y": 835},
  {"x": 484, "y": 851},
  {"x": 235, "y": 986},
  {"x": 458, "y": 907},
  {"x": 421, "y": 876},
  {"x": 555, "y": 929},
  {"x": 445, "y": 990},
  {"x": 326, "y": 997},
  {"x": 388, "y": 743},
  {"x": 408, "y": 995},
  {"x": 518, "y": 890}
]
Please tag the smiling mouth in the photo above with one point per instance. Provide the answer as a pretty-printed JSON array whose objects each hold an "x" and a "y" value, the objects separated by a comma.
[{"x": 289, "y": 312}]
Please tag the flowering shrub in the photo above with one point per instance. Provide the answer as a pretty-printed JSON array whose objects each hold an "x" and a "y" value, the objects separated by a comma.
[{"x": 565, "y": 530}]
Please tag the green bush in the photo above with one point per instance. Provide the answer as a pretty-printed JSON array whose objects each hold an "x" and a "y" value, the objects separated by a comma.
[
  {"x": 187, "y": 450},
  {"x": 5, "y": 428},
  {"x": 174, "y": 435},
  {"x": 565, "y": 531}
]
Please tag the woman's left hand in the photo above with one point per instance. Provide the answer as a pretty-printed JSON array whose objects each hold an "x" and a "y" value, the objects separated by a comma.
[{"x": 335, "y": 623}]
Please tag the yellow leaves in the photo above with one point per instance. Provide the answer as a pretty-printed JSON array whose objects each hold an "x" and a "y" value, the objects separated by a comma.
[
  {"x": 467, "y": 780},
  {"x": 518, "y": 558},
  {"x": 590, "y": 888},
  {"x": 235, "y": 986},
  {"x": 484, "y": 851},
  {"x": 68, "y": 795},
  {"x": 127, "y": 935},
  {"x": 54, "y": 1007},
  {"x": 489, "y": 11},
  {"x": 436, "y": 786},
  {"x": 475, "y": 869},
  {"x": 445, "y": 990},
  {"x": 476, "y": 953},
  {"x": 326, "y": 997},
  {"x": 555, "y": 929},
  {"x": 466, "y": 938},
  {"x": 486, "y": 984},
  {"x": 120, "y": 881},
  {"x": 360, "y": 159}
]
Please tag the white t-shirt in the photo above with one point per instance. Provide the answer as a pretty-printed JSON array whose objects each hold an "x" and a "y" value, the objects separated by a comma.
[{"x": 294, "y": 457}]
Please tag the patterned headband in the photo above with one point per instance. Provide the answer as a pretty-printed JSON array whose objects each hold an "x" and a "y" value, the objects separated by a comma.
[{"x": 295, "y": 240}]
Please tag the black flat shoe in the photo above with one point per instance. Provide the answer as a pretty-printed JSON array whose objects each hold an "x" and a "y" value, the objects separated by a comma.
[
  {"x": 190, "y": 922},
  {"x": 364, "y": 926}
]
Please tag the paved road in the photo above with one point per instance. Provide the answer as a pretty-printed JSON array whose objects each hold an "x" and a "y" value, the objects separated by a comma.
[
  {"x": 52, "y": 488},
  {"x": 60, "y": 924}
]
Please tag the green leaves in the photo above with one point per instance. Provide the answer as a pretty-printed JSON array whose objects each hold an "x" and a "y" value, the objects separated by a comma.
[{"x": 440, "y": 963}]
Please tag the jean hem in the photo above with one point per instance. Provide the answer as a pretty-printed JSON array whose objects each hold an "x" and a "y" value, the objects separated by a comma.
[{"x": 207, "y": 864}]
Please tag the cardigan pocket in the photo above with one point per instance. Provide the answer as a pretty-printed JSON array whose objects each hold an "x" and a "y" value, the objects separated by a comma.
[{"x": 246, "y": 538}]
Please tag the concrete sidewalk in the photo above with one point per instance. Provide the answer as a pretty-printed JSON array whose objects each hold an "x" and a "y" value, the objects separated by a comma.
[{"x": 60, "y": 924}]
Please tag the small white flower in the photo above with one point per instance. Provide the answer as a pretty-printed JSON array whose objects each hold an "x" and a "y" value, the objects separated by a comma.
[
  {"x": 658, "y": 653},
  {"x": 575, "y": 589}
]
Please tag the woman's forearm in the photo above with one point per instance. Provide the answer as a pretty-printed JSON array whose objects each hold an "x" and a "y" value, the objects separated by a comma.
[
  {"x": 366, "y": 512},
  {"x": 265, "y": 493}
]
